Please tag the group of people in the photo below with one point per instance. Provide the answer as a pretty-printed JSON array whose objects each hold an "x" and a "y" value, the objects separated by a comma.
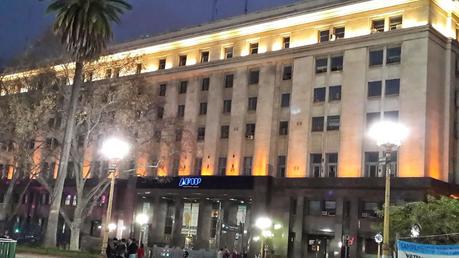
[
  {"x": 225, "y": 253},
  {"x": 124, "y": 249}
]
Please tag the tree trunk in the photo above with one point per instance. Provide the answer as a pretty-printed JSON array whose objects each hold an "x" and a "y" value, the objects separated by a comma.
[
  {"x": 5, "y": 207},
  {"x": 75, "y": 235},
  {"x": 53, "y": 218}
]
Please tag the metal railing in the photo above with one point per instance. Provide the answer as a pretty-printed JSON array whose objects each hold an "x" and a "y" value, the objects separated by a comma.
[{"x": 7, "y": 248}]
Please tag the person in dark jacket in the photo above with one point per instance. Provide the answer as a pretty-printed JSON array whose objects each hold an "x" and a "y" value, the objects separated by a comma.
[
  {"x": 132, "y": 248},
  {"x": 111, "y": 248},
  {"x": 121, "y": 249}
]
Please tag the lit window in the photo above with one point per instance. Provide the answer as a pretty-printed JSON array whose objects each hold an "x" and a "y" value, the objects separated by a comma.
[
  {"x": 371, "y": 164},
  {"x": 204, "y": 56},
  {"x": 377, "y": 26},
  {"x": 68, "y": 199},
  {"x": 253, "y": 48},
  {"x": 182, "y": 60},
  {"x": 391, "y": 115},
  {"x": 372, "y": 118},
  {"x": 228, "y": 52},
  {"x": 395, "y": 23},
  {"x": 162, "y": 64},
  {"x": 286, "y": 42},
  {"x": 332, "y": 164}
]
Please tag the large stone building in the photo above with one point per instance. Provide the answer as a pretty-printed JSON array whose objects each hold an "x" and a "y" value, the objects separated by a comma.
[{"x": 289, "y": 94}]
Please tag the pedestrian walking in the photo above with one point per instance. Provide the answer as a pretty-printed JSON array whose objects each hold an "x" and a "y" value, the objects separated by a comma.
[
  {"x": 141, "y": 251},
  {"x": 121, "y": 249},
  {"x": 220, "y": 253},
  {"x": 132, "y": 248}
]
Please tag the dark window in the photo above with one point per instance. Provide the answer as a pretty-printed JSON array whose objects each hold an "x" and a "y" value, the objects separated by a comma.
[
  {"x": 229, "y": 79},
  {"x": 281, "y": 161},
  {"x": 254, "y": 77},
  {"x": 316, "y": 165},
  {"x": 117, "y": 72},
  {"x": 332, "y": 164},
  {"x": 203, "y": 108},
  {"x": 391, "y": 115},
  {"x": 392, "y": 87},
  {"x": 201, "y": 133},
  {"x": 224, "y": 131},
  {"x": 221, "y": 166},
  {"x": 329, "y": 208},
  {"x": 287, "y": 73},
  {"x": 182, "y": 87},
  {"x": 283, "y": 127},
  {"x": 337, "y": 63},
  {"x": 395, "y": 22},
  {"x": 160, "y": 113},
  {"x": 324, "y": 35},
  {"x": 181, "y": 111},
  {"x": 138, "y": 68},
  {"x": 247, "y": 166},
  {"x": 285, "y": 100},
  {"x": 315, "y": 208},
  {"x": 162, "y": 64},
  {"x": 374, "y": 89},
  {"x": 229, "y": 52},
  {"x": 317, "y": 124},
  {"x": 339, "y": 33},
  {"x": 376, "y": 57},
  {"x": 197, "y": 166},
  {"x": 334, "y": 93},
  {"x": 182, "y": 60},
  {"x": 371, "y": 164},
  {"x": 108, "y": 73},
  {"x": 205, "y": 84},
  {"x": 373, "y": 118},
  {"x": 204, "y": 56},
  {"x": 321, "y": 65},
  {"x": 250, "y": 131},
  {"x": 178, "y": 135},
  {"x": 319, "y": 95},
  {"x": 227, "y": 106},
  {"x": 333, "y": 123},
  {"x": 253, "y": 48},
  {"x": 286, "y": 42},
  {"x": 393, "y": 55},
  {"x": 162, "y": 90},
  {"x": 370, "y": 209},
  {"x": 252, "y": 105},
  {"x": 377, "y": 26}
]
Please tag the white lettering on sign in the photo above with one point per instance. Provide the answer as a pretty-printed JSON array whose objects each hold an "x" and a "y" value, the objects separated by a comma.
[{"x": 190, "y": 181}]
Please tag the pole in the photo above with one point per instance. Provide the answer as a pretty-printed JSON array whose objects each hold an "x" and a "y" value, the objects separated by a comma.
[
  {"x": 109, "y": 212},
  {"x": 140, "y": 234},
  {"x": 262, "y": 249},
  {"x": 379, "y": 250},
  {"x": 386, "y": 232}
]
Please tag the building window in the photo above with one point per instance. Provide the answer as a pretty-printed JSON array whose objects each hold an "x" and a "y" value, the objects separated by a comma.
[
  {"x": 204, "y": 56},
  {"x": 339, "y": 32},
  {"x": 370, "y": 209},
  {"x": 286, "y": 42},
  {"x": 333, "y": 123},
  {"x": 391, "y": 115},
  {"x": 334, "y": 93},
  {"x": 224, "y": 131},
  {"x": 203, "y": 108},
  {"x": 201, "y": 133},
  {"x": 281, "y": 165},
  {"x": 254, "y": 76},
  {"x": 160, "y": 113},
  {"x": 372, "y": 118},
  {"x": 181, "y": 111},
  {"x": 169, "y": 223},
  {"x": 283, "y": 127},
  {"x": 197, "y": 166},
  {"x": 393, "y": 55},
  {"x": 376, "y": 57},
  {"x": 374, "y": 89},
  {"x": 178, "y": 135},
  {"x": 221, "y": 166},
  {"x": 205, "y": 84},
  {"x": 182, "y": 87},
  {"x": 162, "y": 90},
  {"x": 377, "y": 26},
  {"x": 316, "y": 165},
  {"x": 250, "y": 131},
  {"x": 317, "y": 124},
  {"x": 68, "y": 199},
  {"x": 285, "y": 100},
  {"x": 287, "y": 73},
  {"x": 324, "y": 35},
  {"x": 392, "y": 87},
  {"x": 229, "y": 79},
  {"x": 319, "y": 95},
  {"x": 182, "y": 60},
  {"x": 108, "y": 73},
  {"x": 321, "y": 65},
  {"x": 247, "y": 166},
  {"x": 329, "y": 208},
  {"x": 138, "y": 69},
  {"x": 336, "y": 63},
  {"x": 253, "y": 48},
  {"x": 252, "y": 105},
  {"x": 332, "y": 164},
  {"x": 162, "y": 64},
  {"x": 117, "y": 72},
  {"x": 314, "y": 208},
  {"x": 371, "y": 164},
  {"x": 395, "y": 23},
  {"x": 228, "y": 52},
  {"x": 226, "y": 106}
]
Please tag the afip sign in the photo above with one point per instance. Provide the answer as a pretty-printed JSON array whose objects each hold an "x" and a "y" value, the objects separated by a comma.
[
  {"x": 415, "y": 250},
  {"x": 190, "y": 182}
]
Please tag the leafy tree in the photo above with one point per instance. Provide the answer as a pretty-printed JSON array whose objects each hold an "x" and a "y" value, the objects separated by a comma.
[{"x": 84, "y": 27}]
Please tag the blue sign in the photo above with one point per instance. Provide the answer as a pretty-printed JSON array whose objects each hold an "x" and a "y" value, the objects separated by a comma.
[
  {"x": 190, "y": 182},
  {"x": 415, "y": 250}
]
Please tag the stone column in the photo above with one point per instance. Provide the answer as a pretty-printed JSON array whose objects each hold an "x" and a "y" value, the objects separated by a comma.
[
  {"x": 297, "y": 228},
  {"x": 188, "y": 149},
  {"x": 177, "y": 238}
]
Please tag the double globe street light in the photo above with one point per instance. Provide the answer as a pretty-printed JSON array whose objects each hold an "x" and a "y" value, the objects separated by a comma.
[{"x": 264, "y": 224}]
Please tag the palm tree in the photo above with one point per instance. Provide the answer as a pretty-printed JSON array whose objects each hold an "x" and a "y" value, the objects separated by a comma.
[{"x": 84, "y": 27}]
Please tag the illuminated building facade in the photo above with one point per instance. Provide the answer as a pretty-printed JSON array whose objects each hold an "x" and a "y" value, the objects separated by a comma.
[{"x": 289, "y": 93}]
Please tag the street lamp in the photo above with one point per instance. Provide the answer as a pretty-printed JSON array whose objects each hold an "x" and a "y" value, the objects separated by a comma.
[
  {"x": 141, "y": 219},
  {"x": 264, "y": 223},
  {"x": 388, "y": 136},
  {"x": 114, "y": 149}
]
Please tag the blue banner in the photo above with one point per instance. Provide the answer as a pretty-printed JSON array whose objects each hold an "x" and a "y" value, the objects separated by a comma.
[{"x": 415, "y": 250}]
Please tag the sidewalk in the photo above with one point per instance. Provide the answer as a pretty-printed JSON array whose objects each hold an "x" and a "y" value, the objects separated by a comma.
[{"x": 24, "y": 255}]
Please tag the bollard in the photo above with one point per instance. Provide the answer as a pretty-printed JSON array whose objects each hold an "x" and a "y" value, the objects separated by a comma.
[{"x": 7, "y": 248}]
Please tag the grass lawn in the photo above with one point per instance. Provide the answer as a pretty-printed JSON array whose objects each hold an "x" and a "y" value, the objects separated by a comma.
[{"x": 55, "y": 252}]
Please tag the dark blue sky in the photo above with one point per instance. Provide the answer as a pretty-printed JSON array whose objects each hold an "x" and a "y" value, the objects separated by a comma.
[{"x": 22, "y": 21}]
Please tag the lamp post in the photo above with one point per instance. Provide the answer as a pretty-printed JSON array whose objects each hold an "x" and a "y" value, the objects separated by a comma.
[
  {"x": 114, "y": 150},
  {"x": 389, "y": 136},
  {"x": 264, "y": 223},
  {"x": 141, "y": 219}
]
